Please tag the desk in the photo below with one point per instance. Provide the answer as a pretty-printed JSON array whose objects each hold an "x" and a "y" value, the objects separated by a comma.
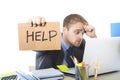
[{"x": 107, "y": 76}]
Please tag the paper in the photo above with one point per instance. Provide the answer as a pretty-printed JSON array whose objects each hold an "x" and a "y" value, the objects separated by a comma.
[
  {"x": 63, "y": 68},
  {"x": 39, "y": 38}
]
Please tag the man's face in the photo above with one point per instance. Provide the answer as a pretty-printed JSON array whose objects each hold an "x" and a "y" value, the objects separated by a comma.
[{"x": 74, "y": 34}]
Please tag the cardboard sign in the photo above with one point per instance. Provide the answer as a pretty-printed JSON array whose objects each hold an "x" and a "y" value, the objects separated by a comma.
[{"x": 39, "y": 38}]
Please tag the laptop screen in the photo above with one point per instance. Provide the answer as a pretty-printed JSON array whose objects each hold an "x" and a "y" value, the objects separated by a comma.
[{"x": 104, "y": 50}]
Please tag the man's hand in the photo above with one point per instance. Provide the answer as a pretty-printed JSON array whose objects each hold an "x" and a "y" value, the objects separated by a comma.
[
  {"x": 90, "y": 31},
  {"x": 37, "y": 21}
]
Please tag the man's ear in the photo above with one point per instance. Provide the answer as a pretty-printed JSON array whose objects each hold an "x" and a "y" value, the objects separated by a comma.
[{"x": 64, "y": 29}]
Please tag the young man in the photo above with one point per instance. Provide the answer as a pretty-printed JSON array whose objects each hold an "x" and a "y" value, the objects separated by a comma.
[{"x": 72, "y": 43}]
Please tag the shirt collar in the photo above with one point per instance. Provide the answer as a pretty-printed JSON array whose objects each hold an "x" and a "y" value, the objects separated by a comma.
[{"x": 64, "y": 45}]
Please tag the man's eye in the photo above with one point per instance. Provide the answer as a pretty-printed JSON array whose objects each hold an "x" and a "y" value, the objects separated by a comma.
[{"x": 78, "y": 32}]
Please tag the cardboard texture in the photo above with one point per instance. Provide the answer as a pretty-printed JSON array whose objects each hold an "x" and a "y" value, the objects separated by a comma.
[{"x": 39, "y": 38}]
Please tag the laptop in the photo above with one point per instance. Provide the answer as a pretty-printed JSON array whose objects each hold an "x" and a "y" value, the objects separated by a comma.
[{"x": 106, "y": 51}]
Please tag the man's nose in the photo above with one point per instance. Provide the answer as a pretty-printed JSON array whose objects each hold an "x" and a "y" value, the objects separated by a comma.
[{"x": 80, "y": 36}]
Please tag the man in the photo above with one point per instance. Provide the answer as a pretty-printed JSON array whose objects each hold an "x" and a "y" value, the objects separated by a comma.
[{"x": 72, "y": 43}]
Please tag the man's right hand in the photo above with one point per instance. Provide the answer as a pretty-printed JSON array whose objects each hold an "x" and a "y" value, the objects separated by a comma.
[{"x": 37, "y": 21}]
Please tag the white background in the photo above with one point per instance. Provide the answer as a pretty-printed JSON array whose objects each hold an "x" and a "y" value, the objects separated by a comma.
[{"x": 99, "y": 13}]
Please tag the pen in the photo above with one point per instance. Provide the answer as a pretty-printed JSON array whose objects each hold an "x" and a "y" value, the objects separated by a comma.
[{"x": 74, "y": 60}]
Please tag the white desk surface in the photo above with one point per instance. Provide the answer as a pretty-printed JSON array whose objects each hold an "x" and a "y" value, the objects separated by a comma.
[{"x": 107, "y": 76}]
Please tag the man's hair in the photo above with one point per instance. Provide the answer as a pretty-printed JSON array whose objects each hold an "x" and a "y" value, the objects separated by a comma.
[{"x": 73, "y": 18}]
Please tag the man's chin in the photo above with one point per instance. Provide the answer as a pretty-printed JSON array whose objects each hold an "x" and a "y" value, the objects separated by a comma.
[{"x": 77, "y": 45}]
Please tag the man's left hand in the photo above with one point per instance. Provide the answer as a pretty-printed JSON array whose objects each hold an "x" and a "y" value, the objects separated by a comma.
[{"x": 90, "y": 31}]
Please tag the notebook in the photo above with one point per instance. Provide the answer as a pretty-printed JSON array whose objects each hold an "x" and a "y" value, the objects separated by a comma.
[{"x": 48, "y": 74}]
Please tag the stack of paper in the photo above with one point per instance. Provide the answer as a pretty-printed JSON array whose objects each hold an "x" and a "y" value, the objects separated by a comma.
[{"x": 48, "y": 74}]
